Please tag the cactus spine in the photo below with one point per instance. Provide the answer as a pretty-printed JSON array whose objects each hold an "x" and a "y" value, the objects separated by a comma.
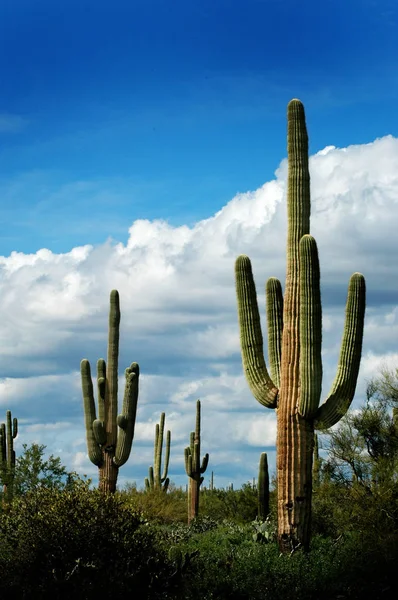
[
  {"x": 110, "y": 436},
  {"x": 193, "y": 468},
  {"x": 8, "y": 433},
  {"x": 263, "y": 487},
  {"x": 294, "y": 347},
  {"x": 156, "y": 481}
]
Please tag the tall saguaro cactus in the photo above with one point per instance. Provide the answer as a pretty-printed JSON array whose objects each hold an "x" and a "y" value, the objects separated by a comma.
[
  {"x": 156, "y": 481},
  {"x": 263, "y": 487},
  {"x": 293, "y": 386},
  {"x": 8, "y": 433},
  {"x": 194, "y": 468},
  {"x": 110, "y": 436}
]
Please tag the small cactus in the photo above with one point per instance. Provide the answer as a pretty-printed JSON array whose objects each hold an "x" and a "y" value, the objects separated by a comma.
[
  {"x": 156, "y": 481},
  {"x": 263, "y": 487},
  {"x": 194, "y": 469},
  {"x": 8, "y": 433}
]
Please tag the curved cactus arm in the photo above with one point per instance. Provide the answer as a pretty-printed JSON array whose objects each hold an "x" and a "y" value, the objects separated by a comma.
[
  {"x": 158, "y": 448},
  {"x": 166, "y": 485},
  {"x": 14, "y": 427},
  {"x": 99, "y": 432},
  {"x": 205, "y": 462},
  {"x": 101, "y": 383},
  {"x": 164, "y": 477},
  {"x": 94, "y": 451},
  {"x": 188, "y": 462},
  {"x": 310, "y": 328},
  {"x": 343, "y": 388},
  {"x": 274, "y": 308},
  {"x": 126, "y": 420},
  {"x": 251, "y": 337}
]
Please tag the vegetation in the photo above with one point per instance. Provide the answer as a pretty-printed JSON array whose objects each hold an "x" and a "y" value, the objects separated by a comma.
[{"x": 294, "y": 347}]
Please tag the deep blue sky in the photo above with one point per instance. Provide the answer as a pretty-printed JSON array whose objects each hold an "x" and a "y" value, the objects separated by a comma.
[{"x": 113, "y": 111}]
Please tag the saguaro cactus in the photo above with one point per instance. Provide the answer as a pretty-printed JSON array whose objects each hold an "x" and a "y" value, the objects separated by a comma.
[
  {"x": 263, "y": 487},
  {"x": 193, "y": 468},
  {"x": 110, "y": 436},
  {"x": 156, "y": 481},
  {"x": 8, "y": 433},
  {"x": 293, "y": 386}
]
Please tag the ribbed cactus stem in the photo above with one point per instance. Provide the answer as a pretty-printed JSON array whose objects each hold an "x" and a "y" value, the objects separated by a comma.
[
  {"x": 110, "y": 436},
  {"x": 156, "y": 480},
  {"x": 194, "y": 468},
  {"x": 263, "y": 487},
  {"x": 8, "y": 433},
  {"x": 294, "y": 346}
]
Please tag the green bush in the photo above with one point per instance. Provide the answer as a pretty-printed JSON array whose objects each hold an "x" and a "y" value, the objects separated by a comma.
[{"x": 56, "y": 544}]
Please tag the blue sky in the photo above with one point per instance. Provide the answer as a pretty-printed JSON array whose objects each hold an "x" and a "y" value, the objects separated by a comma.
[{"x": 116, "y": 113}]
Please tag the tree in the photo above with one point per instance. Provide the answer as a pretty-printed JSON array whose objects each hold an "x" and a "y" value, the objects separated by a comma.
[
  {"x": 364, "y": 448},
  {"x": 33, "y": 471}
]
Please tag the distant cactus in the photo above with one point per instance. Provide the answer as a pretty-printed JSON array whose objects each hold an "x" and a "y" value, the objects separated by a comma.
[
  {"x": 293, "y": 385},
  {"x": 156, "y": 481},
  {"x": 263, "y": 487},
  {"x": 110, "y": 436},
  {"x": 8, "y": 433},
  {"x": 194, "y": 469}
]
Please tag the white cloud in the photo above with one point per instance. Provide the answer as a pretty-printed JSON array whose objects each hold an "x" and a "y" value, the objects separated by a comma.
[{"x": 179, "y": 319}]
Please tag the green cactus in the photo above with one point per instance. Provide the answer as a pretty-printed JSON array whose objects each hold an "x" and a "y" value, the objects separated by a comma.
[
  {"x": 156, "y": 481},
  {"x": 193, "y": 468},
  {"x": 8, "y": 433},
  {"x": 263, "y": 487},
  {"x": 294, "y": 347},
  {"x": 110, "y": 436}
]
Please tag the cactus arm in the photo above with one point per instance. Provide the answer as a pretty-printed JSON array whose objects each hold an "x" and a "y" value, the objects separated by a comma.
[
  {"x": 274, "y": 307},
  {"x": 251, "y": 338},
  {"x": 126, "y": 420},
  {"x": 310, "y": 328},
  {"x": 147, "y": 484},
  {"x": 3, "y": 446},
  {"x": 188, "y": 461},
  {"x": 343, "y": 388},
  {"x": 166, "y": 459},
  {"x": 158, "y": 449},
  {"x": 205, "y": 462},
  {"x": 94, "y": 451},
  {"x": 111, "y": 385},
  {"x": 101, "y": 385}
]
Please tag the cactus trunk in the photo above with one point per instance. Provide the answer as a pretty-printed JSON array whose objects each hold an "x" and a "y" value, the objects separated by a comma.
[
  {"x": 294, "y": 347},
  {"x": 8, "y": 433}
]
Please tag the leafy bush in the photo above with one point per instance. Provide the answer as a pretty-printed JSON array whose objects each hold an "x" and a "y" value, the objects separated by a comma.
[{"x": 79, "y": 542}]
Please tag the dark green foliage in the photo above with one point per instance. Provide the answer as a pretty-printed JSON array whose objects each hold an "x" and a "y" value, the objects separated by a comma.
[
  {"x": 33, "y": 471},
  {"x": 79, "y": 543}
]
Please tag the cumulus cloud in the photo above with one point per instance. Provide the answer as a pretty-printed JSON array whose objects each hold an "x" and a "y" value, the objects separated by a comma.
[{"x": 179, "y": 320}]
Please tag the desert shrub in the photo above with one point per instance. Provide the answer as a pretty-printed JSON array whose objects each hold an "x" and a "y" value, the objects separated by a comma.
[
  {"x": 158, "y": 506},
  {"x": 79, "y": 542}
]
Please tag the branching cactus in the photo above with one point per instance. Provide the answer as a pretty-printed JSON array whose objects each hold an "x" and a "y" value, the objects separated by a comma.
[
  {"x": 263, "y": 487},
  {"x": 156, "y": 481},
  {"x": 194, "y": 468},
  {"x": 293, "y": 384},
  {"x": 110, "y": 436},
  {"x": 8, "y": 433}
]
